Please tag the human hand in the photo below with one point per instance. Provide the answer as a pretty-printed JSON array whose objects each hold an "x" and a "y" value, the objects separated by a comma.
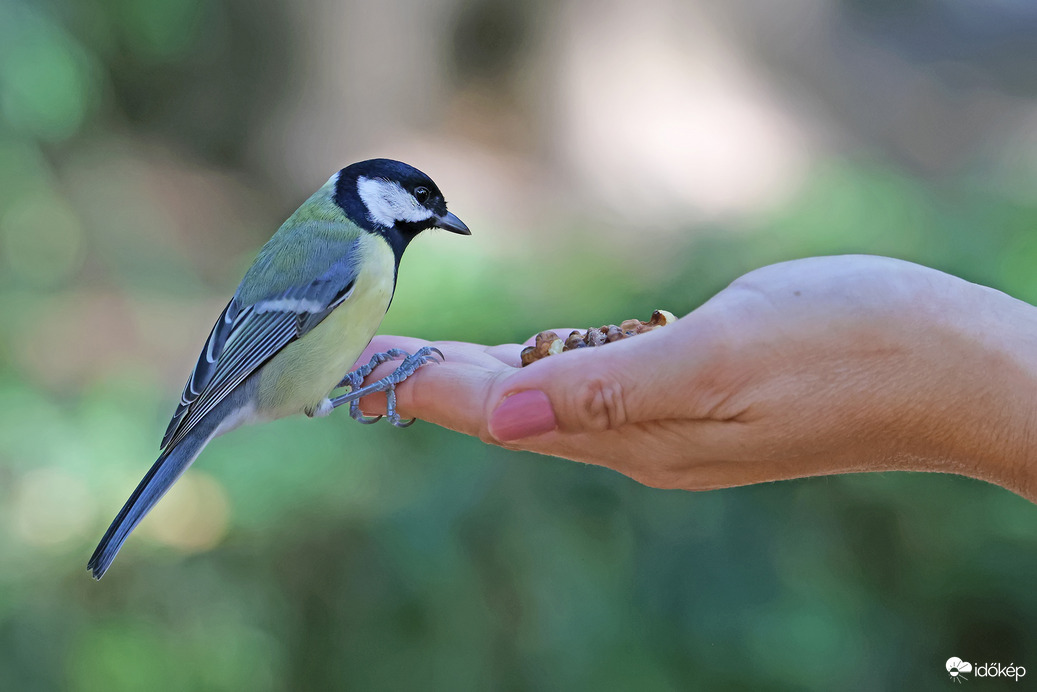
[{"x": 817, "y": 366}]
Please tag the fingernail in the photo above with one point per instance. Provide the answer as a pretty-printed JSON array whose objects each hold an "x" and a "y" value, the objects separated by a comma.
[{"x": 521, "y": 415}]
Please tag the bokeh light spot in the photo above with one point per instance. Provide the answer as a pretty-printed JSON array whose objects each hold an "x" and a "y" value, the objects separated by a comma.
[
  {"x": 45, "y": 79},
  {"x": 193, "y": 516},
  {"x": 51, "y": 506}
]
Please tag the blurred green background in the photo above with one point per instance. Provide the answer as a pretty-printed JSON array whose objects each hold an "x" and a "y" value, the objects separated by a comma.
[{"x": 611, "y": 158}]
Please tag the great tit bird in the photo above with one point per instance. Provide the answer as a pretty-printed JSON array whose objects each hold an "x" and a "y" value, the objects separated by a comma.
[{"x": 305, "y": 311}]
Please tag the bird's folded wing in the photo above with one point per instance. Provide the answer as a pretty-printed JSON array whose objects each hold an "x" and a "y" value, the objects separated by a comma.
[{"x": 244, "y": 338}]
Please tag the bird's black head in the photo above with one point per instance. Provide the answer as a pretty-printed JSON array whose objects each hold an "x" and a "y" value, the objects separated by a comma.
[{"x": 393, "y": 199}]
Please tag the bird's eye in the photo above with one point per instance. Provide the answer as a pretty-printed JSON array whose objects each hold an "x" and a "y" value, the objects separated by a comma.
[{"x": 421, "y": 194}]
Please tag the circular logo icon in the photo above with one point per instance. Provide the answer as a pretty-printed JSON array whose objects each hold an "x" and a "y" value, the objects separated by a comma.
[{"x": 957, "y": 668}]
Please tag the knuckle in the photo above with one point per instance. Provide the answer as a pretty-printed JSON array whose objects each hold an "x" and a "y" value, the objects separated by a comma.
[{"x": 599, "y": 405}]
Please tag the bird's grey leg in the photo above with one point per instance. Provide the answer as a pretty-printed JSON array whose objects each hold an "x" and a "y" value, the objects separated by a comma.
[
  {"x": 355, "y": 379},
  {"x": 390, "y": 410},
  {"x": 363, "y": 371},
  {"x": 387, "y": 384}
]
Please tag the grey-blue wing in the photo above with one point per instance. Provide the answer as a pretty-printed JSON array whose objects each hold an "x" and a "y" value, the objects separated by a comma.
[
  {"x": 245, "y": 337},
  {"x": 229, "y": 320}
]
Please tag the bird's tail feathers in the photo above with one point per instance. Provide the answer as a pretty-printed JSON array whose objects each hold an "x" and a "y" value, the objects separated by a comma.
[{"x": 163, "y": 473}]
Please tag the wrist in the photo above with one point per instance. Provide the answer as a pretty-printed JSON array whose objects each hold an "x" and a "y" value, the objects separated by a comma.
[{"x": 996, "y": 410}]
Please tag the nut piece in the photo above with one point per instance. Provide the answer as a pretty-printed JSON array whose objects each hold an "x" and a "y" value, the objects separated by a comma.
[
  {"x": 547, "y": 343},
  {"x": 595, "y": 336},
  {"x": 574, "y": 341},
  {"x": 661, "y": 318},
  {"x": 630, "y": 327}
]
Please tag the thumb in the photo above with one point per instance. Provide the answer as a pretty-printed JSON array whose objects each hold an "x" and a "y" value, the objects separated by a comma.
[{"x": 652, "y": 377}]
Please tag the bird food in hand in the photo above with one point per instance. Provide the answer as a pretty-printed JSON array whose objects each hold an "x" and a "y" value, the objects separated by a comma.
[{"x": 548, "y": 343}]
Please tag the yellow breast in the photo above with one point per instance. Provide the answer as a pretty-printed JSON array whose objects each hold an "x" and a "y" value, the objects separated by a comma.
[{"x": 302, "y": 374}]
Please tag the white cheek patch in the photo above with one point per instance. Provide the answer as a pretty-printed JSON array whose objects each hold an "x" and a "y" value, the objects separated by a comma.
[{"x": 387, "y": 202}]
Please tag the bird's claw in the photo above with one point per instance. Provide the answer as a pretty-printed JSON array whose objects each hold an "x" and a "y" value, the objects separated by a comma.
[{"x": 355, "y": 381}]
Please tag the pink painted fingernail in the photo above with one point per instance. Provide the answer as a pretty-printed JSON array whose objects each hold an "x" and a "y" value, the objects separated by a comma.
[{"x": 521, "y": 415}]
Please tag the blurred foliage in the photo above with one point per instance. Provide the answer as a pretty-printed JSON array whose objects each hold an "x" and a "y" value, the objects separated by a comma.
[{"x": 318, "y": 555}]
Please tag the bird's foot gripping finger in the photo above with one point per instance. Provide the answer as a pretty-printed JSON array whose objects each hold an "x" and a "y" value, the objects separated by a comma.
[
  {"x": 355, "y": 381},
  {"x": 387, "y": 384},
  {"x": 356, "y": 378}
]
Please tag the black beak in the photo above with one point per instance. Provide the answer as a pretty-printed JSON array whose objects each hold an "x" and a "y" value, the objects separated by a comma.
[{"x": 449, "y": 222}]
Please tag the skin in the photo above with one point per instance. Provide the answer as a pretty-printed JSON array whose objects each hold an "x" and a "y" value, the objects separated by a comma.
[{"x": 813, "y": 367}]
